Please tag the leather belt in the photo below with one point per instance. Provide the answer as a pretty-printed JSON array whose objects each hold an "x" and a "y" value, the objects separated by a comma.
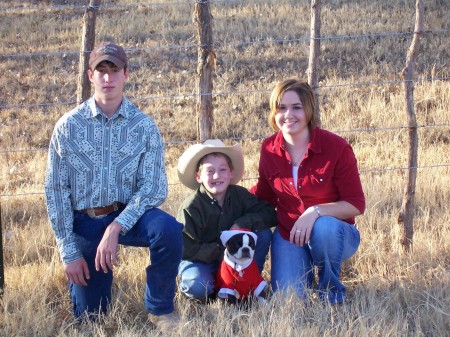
[{"x": 99, "y": 211}]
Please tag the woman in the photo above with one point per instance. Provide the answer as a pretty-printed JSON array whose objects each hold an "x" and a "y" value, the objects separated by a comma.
[{"x": 310, "y": 175}]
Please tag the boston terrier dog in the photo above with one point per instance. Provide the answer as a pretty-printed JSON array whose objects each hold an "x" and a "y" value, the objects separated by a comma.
[{"x": 238, "y": 277}]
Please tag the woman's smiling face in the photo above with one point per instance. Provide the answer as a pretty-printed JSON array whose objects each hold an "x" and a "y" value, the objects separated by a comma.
[{"x": 291, "y": 117}]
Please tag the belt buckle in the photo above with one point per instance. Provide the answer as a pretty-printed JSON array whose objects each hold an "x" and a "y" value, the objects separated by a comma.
[{"x": 91, "y": 213}]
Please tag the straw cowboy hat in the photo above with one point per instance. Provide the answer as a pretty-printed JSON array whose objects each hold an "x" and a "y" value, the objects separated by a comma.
[{"x": 187, "y": 164}]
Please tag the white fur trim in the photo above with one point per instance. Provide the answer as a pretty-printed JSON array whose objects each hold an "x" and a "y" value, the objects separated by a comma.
[
  {"x": 223, "y": 292},
  {"x": 226, "y": 235},
  {"x": 260, "y": 288}
]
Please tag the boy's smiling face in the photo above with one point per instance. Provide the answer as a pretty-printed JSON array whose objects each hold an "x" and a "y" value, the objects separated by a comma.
[{"x": 215, "y": 174}]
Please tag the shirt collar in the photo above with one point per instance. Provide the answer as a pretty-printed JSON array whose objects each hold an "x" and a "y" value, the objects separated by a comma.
[
  {"x": 210, "y": 197},
  {"x": 95, "y": 111},
  {"x": 314, "y": 142}
]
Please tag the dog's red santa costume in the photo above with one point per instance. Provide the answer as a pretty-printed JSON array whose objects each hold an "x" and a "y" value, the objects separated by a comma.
[{"x": 239, "y": 281}]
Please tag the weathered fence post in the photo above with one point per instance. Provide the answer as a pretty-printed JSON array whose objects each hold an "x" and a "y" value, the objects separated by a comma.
[
  {"x": 314, "y": 53},
  {"x": 87, "y": 44},
  {"x": 406, "y": 215},
  {"x": 2, "y": 266},
  {"x": 205, "y": 69}
]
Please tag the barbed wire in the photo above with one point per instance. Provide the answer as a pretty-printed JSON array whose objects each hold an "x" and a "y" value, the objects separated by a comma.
[
  {"x": 179, "y": 142},
  {"x": 383, "y": 169},
  {"x": 232, "y": 44},
  {"x": 109, "y": 6},
  {"x": 225, "y": 93}
]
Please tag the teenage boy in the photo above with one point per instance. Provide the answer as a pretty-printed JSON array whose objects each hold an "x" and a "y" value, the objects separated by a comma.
[
  {"x": 105, "y": 179},
  {"x": 213, "y": 170}
]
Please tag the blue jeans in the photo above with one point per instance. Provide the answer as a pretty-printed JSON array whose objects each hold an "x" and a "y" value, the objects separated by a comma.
[
  {"x": 197, "y": 278},
  {"x": 155, "y": 229},
  {"x": 332, "y": 241}
]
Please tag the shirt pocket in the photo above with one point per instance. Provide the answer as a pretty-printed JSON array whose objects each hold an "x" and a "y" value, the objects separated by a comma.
[
  {"x": 319, "y": 178},
  {"x": 279, "y": 185},
  {"x": 318, "y": 185}
]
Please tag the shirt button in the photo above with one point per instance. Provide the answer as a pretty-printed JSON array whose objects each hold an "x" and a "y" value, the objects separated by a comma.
[
  {"x": 290, "y": 183},
  {"x": 320, "y": 179}
]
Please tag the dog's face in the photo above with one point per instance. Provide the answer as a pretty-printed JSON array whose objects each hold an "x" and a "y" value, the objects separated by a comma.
[{"x": 240, "y": 248}]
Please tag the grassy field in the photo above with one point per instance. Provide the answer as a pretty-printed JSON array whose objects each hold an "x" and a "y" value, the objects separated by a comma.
[{"x": 391, "y": 293}]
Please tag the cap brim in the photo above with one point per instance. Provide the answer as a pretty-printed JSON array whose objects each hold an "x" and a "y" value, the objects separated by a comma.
[{"x": 119, "y": 63}]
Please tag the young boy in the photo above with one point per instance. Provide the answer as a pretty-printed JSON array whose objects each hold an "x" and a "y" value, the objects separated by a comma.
[{"x": 213, "y": 170}]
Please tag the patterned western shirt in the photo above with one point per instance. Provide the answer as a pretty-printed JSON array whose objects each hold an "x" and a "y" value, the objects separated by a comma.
[{"x": 94, "y": 161}]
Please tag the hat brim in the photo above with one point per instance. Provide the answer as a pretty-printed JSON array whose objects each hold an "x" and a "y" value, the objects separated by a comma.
[
  {"x": 187, "y": 163},
  {"x": 227, "y": 235},
  {"x": 119, "y": 63}
]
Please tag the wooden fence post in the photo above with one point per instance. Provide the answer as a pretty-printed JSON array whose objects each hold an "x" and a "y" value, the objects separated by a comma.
[
  {"x": 87, "y": 44},
  {"x": 2, "y": 266},
  {"x": 314, "y": 53},
  {"x": 406, "y": 215},
  {"x": 205, "y": 69}
]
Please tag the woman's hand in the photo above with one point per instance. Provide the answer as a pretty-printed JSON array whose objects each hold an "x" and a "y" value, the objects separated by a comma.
[{"x": 301, "y": 231}]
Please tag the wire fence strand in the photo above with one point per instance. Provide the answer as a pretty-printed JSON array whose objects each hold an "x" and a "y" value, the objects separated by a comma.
[
  {"x": 238, "y": 92},
  {"x": 254, "y": 138},
  {"x": 230, "y": 44},
  {"x": 110, "y": 6},
  {"x": 361, "y": 171}
]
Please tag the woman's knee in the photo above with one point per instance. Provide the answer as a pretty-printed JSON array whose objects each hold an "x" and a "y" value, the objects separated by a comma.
[{"x": 326, "y": 228}]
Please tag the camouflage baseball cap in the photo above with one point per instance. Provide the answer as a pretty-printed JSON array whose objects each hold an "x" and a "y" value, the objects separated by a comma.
[{"x": 108, "y": 51}]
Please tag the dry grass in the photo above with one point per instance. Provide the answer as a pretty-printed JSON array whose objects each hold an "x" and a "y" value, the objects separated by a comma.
[{"x": 391, "y": 293}]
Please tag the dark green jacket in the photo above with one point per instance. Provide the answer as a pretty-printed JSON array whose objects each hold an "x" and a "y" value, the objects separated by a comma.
[{"x": 204, "y": 220}]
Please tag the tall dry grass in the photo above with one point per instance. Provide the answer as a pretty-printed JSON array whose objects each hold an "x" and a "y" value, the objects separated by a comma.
[{"x": 391, "y": 293}]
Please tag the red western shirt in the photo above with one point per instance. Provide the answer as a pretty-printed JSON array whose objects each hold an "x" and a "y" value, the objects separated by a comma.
[{"x": 327, "y": 173}]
